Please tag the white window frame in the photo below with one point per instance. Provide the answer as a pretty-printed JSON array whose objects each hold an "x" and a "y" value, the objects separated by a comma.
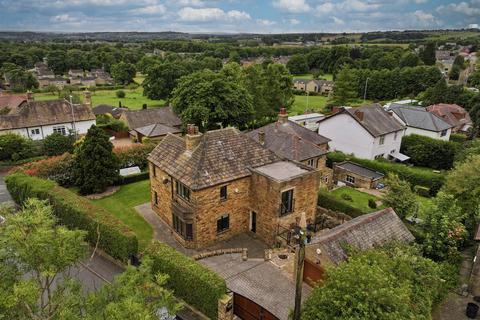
[
  {"x": 60, "y": 129},
  {"x": 34, "y": 131},
  {"x": 382, "y": 140},
  {"x": 350, "y": 179}
]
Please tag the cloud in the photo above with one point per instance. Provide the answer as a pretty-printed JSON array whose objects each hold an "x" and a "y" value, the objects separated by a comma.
[
  {"x": 211, "y": 14},
  {"x": 294, "y": 21},
  {"x": 294, "y": 6},
  {"x": 326, "y": 7},
  {"x": 62, "y": 18},
  {"x": 338, "y": 21},
  {"x": 159, "y": 9},
  {"x": 265, "y": 22},
  {"x": 425, "y": 18},
  {"x": 420, "y": 1},
  {"x": 468, "y": 9},
  {"x": 188, "y": 3}
]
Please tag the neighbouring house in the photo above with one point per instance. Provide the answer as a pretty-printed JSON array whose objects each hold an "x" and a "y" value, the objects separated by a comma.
[
  {"x": 367, "y": 132},
  {"x": 419, "y": 121},
  {"x": 38, "y": 119},
  {"x": 291, "y": 141},
  {"x": 88, "y": 81},
  {"x": 368, "y": 231},
  {"x": 308, "y": 120},
  {"x": 145, "y": 117},
  {"x": 76, "y": 81},
  {"x": 209, "y": 187},
  {"x": 155, "y": 132},
  {"x": 108, "y": 109},
  {"x": 323, "y": 87},
  {"x": 453, "y": 114},
  {"x": 11, "y": 103},
  {"x": 58, "y": 82},
  {"x": 75, "y": 73},
  {"x": 355, "y": 175},
  {"x": 300, "y": 84}
]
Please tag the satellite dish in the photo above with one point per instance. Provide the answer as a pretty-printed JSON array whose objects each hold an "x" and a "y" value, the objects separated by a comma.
[{"x": 319, "y": 251}]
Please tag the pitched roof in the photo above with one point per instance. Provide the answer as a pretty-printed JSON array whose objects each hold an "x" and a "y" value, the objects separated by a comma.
[
  {"x": 156, "y": 130},
  {"x": 11, "y": 102},
  {"x": 322, "y": 82},
  {"x": 221, "y": 155},
  {"x": 360, "y": 170},
  {"x": 374, "y": 119},
  {"x": 364, "y": 232},
  {"x": 145, "y": 117},
  {"x": 418, "y": 117},
  {"x": 36, "y": 113},
  {"x": 300, "y": 80},
  {"x": 290, "y": 140},
  {"x": 106, "y": 108},
  {"x": 451, "y": 113}
]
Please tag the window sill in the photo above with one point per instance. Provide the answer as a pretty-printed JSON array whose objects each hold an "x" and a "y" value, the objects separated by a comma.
[{"x": 222, "y": 232}]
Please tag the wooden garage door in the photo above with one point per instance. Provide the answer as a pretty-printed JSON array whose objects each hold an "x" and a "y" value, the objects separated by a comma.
[
  {"x": 246, "y": 309},
  {"x": 312, "y": 273}
]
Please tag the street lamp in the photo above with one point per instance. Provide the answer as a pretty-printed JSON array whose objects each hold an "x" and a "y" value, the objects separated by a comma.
[
  {"x": 73, "y": 117},
  {"x": 365, "y": 92},
  {"x": 300, "y": 234}
]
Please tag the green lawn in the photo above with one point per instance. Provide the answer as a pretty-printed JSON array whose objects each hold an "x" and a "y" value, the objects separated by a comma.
[
  {"x": 122, "y": 204},
  {"x": 134, "y": 98},
  {"x": 326, "y": 76},
  {"x": 315, "y": 103},
  {"x": 359, "y": 199}
]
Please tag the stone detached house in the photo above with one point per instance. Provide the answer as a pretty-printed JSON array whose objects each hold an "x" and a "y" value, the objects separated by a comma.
[
  {"x": 209, "y": 187},
  {"x": 323, "y": 87},
  {"x": 153, "y": 123},
  {"x": 355, "y": 175},
  {"x": 367, "y": 132},
  {"x": 38, "y": 119},
  {"x": 294, "y": 142}
]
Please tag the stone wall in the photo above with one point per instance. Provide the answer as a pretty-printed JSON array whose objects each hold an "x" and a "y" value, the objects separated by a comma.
[{"x": 340, "y": 174}]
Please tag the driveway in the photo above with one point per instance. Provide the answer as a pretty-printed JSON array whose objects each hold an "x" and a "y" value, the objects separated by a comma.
[{"x": 5, "y": 197}]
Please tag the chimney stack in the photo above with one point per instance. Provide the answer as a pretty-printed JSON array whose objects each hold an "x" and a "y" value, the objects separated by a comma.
[
  {"x": 30, "y": 96},
  {"x": 192, "y": 139},
  {"x": 283, "y": 116},
  {"x": 88, "y": 98},
  {"x": 261, "y": 137},
  {"x": 359, "y": 115},
  {"x": 336, "y": 110}
]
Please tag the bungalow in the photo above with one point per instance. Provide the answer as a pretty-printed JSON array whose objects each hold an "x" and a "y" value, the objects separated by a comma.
[
  {"x": 38, "y": 119},
  {"x": 352, "y": 174},
  {"x": 420, "y": 121},
  {"x": 296, "y": 143},
  {"x": 367, "y": 132},
  {"x": 108, "y": 109},
  {"x": 145, "y": 117},
  {"x": 155, "y": 132},
  {"x": 453, "y": 114}
]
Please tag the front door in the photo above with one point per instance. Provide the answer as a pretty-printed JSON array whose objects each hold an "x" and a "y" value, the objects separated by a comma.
[{"x": 253, "y": 221}]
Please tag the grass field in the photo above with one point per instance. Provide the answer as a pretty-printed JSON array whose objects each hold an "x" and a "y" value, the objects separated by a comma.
[
  {"x": 134, "y": 98},
  {"x": 122, "y": 204},
  {"x": 327, "y": 76},
  {"x": 359, "y": 199},
  {"x": 315, "y": 103}
]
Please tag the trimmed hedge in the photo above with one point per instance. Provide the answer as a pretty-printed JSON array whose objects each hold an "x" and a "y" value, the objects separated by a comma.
[
  {"x": 458, "y": 137},
  {"x": 416, "y": 176},
  {"x": 428, "y": 152},
  {"x": 76, "y": 212},
  {"x": 133, "y": 178},
  {"x": 329, "y": 202},
  {"x": 189, "y": 280}
]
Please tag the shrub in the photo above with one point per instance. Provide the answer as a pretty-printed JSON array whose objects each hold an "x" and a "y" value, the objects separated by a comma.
[
  {"x": 327, "y": 201},
  {"x": 372, "y": 203},
  {"x": 415, "y": 176},
  {"x": 76, "y": 212},
  {"x": 133, "y": 178},
  {"x": 422, "y": 191},
  {"x": 106, "y": 121},
  {"x": 120, "y": 94},
  {"x": 14, "y": 147},
  {"x": 428, "y": 152},
  {"x": 457, "y": 137},
  {"x": 135, "y": 155},
  {"x": 189, "y": 280},
  {"x": 56, "y": 144},
  {"x": 346, "y": 196},
  {"x": 58, "y": 169}
]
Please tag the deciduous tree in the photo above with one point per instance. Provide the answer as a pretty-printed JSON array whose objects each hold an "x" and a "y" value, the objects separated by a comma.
[{"x": 400, "y": 196}]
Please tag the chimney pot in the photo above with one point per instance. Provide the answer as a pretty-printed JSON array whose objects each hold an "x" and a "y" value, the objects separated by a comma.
[
  {"x": 88, "y": 98},
  {"x": 30, "y": 96},
  {"x": 192, "y": 139},
  {"x": 283, "y": 116}
]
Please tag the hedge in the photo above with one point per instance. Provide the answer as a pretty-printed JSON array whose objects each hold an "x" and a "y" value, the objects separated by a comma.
[
  {"x": 428, "y": 152},
  {"x": 133, "y": 178},
  {"x": 416, "y": 176},
  {"x": 189, "y": 280},
  {"x": 329, "y": 202},
  {"x": 77, "y": 212},
  {"x": 458, "y": 137}
]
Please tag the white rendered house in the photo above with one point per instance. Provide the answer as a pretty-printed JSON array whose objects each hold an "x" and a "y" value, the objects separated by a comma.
[{"x": 367, "y": 132}]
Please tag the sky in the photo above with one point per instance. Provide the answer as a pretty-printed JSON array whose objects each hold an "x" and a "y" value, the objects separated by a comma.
[{"x": 234, "y": 16}]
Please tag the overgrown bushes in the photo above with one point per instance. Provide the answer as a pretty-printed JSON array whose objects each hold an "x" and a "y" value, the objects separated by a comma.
[
  {"x": 58, "y": 169},
  {"x": 416, "y": 176},
  {"x": 327, "y": 201},
  {"x": 14, "y": 147},
  {"x": 191, "y": 281},
  {"x": 57, "y": 144},
  {"x": 76, "y": 212},
  {"x": 428, "y": 152}
]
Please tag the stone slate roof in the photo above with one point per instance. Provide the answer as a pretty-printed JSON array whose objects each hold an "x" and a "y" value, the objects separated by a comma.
[
  {"x": 221, "y": 155},
  {"x": 321, "y": 83},
  {"x": 418, "y": 117},
  {"x": 300, "y": 80},
  {"x": 41, "y": 113},
  {"x": 106, "y": 108},
  {"x": 364, "y": 232},
  {"x": 453, "y": 114},
  {"x": 142, "y": 118},
  {"x": 360, "y": 170},
  {"x": 156, "y": 130},
  {"x": 11, "y": 102},
  {"x": 374, "y": 119},
  {"x": 292, "y": 141}
]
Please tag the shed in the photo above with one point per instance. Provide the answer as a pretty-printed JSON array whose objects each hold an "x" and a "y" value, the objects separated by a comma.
[{"x": 355, "y": 175}]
